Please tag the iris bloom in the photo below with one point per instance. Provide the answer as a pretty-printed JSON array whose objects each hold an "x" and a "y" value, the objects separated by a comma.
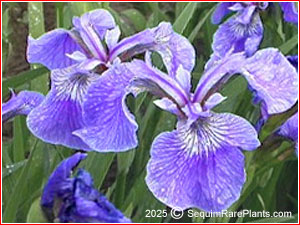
[
  {"x": 20, "y": 104},
  {"x": 293, "y": 59},
  {"x": 290, "y": 12},
  {"x": 290, "y": 130},
  {"x": 75, "y": 199},
  {"x": 244, "y": 30},
  {"x": 199, "y": 164},
  {"x": 77, "y": 57}
]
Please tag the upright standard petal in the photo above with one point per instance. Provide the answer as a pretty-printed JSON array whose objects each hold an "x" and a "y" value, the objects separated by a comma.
[
  {"x": 235, "y": 36},
  {"x": 57, "y": 180},
  {"x": 74, "y": 198},
  {"x": 202, "y": 165},
  {"x": 52, "y": 48},
  {"x": 273, "y": 78},
  {"x": 174, "y": 49},
  {"x": 290, "y": 11},
  {"x": 92, "y": 27},
  {"x": 100, "y": 20},
  {"x": 60, "y": 113},
  {"x": 221, "y": 11},
  {"x": 109, "y": 124},
  {"x": 20, "y": 104},
  {"x": 91, "y": 206}
]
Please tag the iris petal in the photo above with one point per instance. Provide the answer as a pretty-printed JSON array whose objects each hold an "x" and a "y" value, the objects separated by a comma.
[
  {"x": 20, "y": 104},
  {"x": 237, "y": 37},
  {"x": 221, "y": 11},
  {"x": 92, "y": 27},
  {"x": 133, "y": 45},
  {"x": 202, "y": 167},
  {"x": 290, "y": 128},
  {"x": 52, "y": 48},
  {"x": 290, "y": 12},
  {"x": 273, "y": 78},
  {"x": 293, "y": 59},
  {"x": 174, "y": 49},
  {"x": 148, "y": 78},
  {"x": 110, "y": 125},
  {"x": 60, "y": 113},
  {"x": 100, "y": 20},
  {"x": 218, "y": 72},
  {"x": 59, "y": 177}
]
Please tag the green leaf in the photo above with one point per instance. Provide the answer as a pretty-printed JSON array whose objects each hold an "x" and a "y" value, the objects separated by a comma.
[
  {"x": 22, "y": 78},
  {"x": 36, "y": 214},
  {"x": 157, "y": 14},
  {"x": 179, "y": 8},
  {"x": 10, "y": 212},
  {"x": 289, "y": 45},
  {"x": 59, "y": 6},
  {"x": 36, "y": 29},
  {"x": 198, "y": 27},
  {"x": 184, "y": 18},
  {"x": 21, "y": 134},
  {"x": 79, "y": 8},
  {"x": 126, "y": 29},
  {"x": 137, "y": 18},
  {"x": 98, "y": 165},
  {"x": 124, "y": 160},
  {"x": 10, "y": 169}
]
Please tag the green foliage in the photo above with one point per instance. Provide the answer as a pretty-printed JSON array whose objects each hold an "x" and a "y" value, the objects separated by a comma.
[{"x": 28, "y": 162}]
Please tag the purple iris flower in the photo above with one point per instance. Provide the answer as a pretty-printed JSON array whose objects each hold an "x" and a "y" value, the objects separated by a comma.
[
  {"x": 200, "y": 163},
  {"x": 241, "y": 32},
  {"x": 77, "y": 58},
  {"x": 290, "y": 12},
  {"x": 293, "y": 59},
  {"x": 20, "y": 104},
  {"x": 244, "y": 30},
  {"x": 76, "y": 198},
  {"x": 290, "y": 130}
]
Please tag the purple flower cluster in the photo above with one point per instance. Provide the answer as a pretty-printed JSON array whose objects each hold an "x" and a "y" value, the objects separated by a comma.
[
  {"x": 244, "y": 30},
  {"x": 74, "y": 197},
  {"x": 200, "y": 163}
]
